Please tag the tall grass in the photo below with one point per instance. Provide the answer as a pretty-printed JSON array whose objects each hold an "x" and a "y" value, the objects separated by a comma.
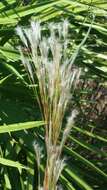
[{"x": 49, "y": 63}]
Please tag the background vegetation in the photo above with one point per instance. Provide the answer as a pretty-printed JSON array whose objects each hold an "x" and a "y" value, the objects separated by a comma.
[{"x": 86, "y": 148}]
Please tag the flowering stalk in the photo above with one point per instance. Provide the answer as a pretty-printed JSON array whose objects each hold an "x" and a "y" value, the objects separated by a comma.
[{"x": 56, "y": 75}]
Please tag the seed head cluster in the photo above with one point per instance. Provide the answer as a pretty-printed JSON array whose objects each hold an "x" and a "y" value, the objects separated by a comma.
[{"x": 49, "y": 63}]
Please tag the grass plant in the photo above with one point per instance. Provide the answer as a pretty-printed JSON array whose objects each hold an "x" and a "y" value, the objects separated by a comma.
[{"x": 57, "y": 77}]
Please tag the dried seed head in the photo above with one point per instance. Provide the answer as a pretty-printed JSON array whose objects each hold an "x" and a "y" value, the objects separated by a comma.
[
  {"x": 59, "y": 166},
  {"x": 71, "y": 118},
  {"x": 36, "y": 30},
  {"x": 68, "y": 127},
  {"x": 38, "y": 152},
  {"x": 65, "y": 28},
  {"x": 56, "y": 77},
  {"x": 21, "y": 35}
]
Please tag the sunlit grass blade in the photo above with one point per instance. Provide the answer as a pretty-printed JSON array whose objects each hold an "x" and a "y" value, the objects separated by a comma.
[
  {"x": 11, "y": 163},
  {"x": 20, "y": 126}
]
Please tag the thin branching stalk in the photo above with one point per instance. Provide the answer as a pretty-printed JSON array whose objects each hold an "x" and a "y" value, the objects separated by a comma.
[{"x": 57, "y": 78}]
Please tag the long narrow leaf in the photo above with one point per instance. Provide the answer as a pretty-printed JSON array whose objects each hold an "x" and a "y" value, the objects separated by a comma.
[
  {"x": 20, "y": 126},
  {"x": 11, "y": 163}
]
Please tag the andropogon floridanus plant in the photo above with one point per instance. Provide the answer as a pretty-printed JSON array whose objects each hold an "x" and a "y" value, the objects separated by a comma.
[{"x": 50, "y": 63}]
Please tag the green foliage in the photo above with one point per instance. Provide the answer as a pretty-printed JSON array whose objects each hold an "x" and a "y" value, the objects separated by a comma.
[{"x": 86, "y": 148}]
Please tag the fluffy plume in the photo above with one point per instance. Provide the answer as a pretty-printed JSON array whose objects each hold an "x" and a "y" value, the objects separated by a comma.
[{"x": 57, "y": 76}]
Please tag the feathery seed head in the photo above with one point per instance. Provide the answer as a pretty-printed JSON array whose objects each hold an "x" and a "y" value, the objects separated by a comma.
[
  {"x": 71, "y": 118},
  {"x": 68, "y": 127},
  {"x": 60, "y": 164},
  {"x": 56, "y": 77},
  {"x": 21, "y": 35},
  {"x": 70, "y": 122},
  {"x": 36, "y": 30},
  {"x": 38, "y": 152},
  {"x": 53, "y": 69},
  {"x": 65, "y": 28}
]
